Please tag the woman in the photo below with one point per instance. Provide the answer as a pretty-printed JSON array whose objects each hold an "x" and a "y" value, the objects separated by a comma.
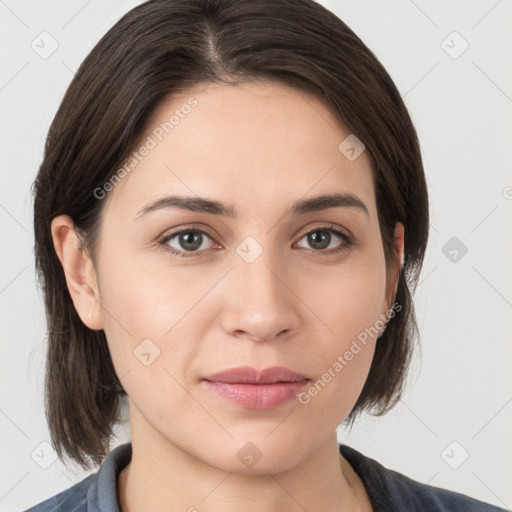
[{"x": 230, "y": 219}]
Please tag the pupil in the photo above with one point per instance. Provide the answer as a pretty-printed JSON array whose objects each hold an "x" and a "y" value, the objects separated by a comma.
[
  {"x": 190, "y": 242},
  {"x": 318, "y": 242}
]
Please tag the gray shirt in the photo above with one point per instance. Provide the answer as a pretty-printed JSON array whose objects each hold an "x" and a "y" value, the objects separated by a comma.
[{"x": 389, "y": 491}]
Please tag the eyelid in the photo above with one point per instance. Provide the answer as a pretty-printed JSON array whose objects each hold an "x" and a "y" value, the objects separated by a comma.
[
  {"x": 327, "y": 226},
  {"x": 187, "y": 227}
]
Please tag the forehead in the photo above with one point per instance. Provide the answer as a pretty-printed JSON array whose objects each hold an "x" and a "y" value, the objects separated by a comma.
[{"x": 251, "y": 144}]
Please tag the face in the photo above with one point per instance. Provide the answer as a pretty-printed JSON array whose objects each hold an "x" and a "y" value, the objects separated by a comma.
[{"x": 261, "y": 283}]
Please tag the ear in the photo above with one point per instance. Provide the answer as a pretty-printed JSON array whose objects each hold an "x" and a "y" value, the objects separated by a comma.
[
  {"x": 397, "y": 264},
  {"x": 78, "y": 270}
]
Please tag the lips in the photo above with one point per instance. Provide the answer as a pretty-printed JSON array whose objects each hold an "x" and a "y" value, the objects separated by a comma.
[
  {"x": 249, "y": 375},
  {"x": 251, "y": 388}
]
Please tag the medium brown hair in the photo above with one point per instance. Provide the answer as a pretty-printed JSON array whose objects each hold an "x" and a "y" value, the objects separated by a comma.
[{"x": 166, "y": 46}]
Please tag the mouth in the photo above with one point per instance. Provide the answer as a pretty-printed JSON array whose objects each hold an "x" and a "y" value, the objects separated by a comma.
[
  {"x": 251, "y": 388},
  {"x": 250, "y": 375}
]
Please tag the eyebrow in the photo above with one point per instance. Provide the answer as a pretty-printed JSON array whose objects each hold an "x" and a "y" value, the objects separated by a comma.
[{"x": 301, "y": 207}]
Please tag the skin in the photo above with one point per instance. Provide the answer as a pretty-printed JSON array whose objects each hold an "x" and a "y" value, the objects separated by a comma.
[{"x": 259, "y": 146}]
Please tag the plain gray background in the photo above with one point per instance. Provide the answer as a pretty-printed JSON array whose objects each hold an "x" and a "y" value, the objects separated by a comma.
[{"x": 452, "y": 428}]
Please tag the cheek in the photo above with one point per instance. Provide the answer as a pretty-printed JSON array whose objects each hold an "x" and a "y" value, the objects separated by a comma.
[
  {"x": 349, "y": 306},
  {"x": 154, "y": 316},
  {"x": 349, "y": 299}
]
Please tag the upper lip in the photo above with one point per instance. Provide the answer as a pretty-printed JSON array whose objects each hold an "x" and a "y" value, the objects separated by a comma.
[{"x": 250, "y": 375}]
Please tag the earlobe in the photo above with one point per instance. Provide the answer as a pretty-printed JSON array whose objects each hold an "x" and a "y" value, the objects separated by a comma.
[{"x": 78, "y": 271}]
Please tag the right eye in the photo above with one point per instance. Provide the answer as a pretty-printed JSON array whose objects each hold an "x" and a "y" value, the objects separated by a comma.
[{"x": 188, "y": 240}]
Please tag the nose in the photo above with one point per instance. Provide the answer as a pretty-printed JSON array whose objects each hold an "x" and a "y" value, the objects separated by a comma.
[{"x": 260, "y": 303}]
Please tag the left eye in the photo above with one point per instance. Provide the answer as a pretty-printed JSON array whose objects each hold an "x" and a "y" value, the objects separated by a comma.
[{"x": 321, "y": 238}]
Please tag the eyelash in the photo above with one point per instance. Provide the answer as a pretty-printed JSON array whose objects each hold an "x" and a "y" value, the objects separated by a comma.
[{"x": 347, "y": 241}]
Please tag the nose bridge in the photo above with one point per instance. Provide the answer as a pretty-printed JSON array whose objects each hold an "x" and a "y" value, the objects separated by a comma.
[
  {"x": 255, "y": 268},
  {"x": 258, "y": 302}
]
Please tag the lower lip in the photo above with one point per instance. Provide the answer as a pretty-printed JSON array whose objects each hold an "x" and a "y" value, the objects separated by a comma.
[{"x": 257, "y": 396}]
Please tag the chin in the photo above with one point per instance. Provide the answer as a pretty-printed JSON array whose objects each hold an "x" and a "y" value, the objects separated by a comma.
[{"x": 258, "y": 452}]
